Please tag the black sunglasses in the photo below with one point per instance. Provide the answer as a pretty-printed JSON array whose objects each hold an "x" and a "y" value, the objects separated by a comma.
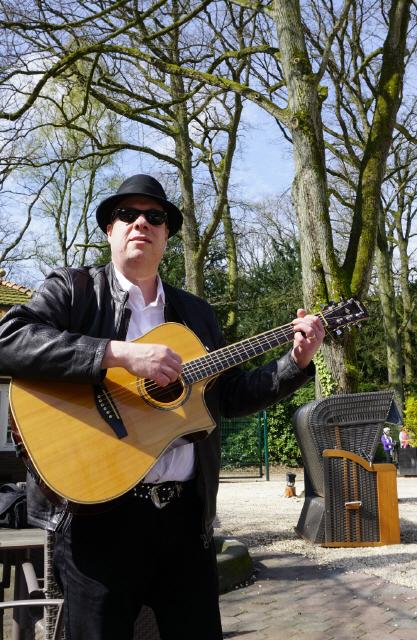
[{"x": 129, "y": 215}]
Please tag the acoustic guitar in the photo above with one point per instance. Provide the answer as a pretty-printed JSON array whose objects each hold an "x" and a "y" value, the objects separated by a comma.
[{"x": 91, "y": 444}]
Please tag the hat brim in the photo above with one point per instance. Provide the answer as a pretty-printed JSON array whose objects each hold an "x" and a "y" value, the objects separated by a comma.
[{"x": 107, "y": 206}]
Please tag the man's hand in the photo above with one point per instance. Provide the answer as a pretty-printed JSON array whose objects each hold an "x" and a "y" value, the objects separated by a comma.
[
  {"x": 309, "y": 335},
  {"x": 154, "y": 361}
]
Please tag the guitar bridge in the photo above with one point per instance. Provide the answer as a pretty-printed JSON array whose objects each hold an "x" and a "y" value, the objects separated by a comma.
[{"x": 108, "y": 410}]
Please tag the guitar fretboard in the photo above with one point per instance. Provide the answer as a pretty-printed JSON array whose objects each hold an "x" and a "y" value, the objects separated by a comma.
[
  {"x": 333, "y": 317},
  {"x": 218, "y": 361}
]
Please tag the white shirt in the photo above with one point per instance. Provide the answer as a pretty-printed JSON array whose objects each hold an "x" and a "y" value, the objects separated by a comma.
[{"x": 178, "y": 462}]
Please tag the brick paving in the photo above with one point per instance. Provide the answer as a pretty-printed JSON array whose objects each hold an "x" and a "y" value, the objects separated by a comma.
[{"x": 293, "y": 598}]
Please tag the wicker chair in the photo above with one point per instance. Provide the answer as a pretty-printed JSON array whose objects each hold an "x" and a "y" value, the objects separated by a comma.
[{"x": 344, "y": 491}]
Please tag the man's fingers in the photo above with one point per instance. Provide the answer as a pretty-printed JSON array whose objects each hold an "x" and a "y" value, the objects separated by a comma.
[
  {"x": 168, "y": 367},
  {"x": 308, "y": 336},
  {"x": 164, "y": 375},
  {"x": 154, "y": 361},
  {"x": 172, "y": 373},
  {"x": 308, "y": 326},
  {"x": 162, "y": 380}
]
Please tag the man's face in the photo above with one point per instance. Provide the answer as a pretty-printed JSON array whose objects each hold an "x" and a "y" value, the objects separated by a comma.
[{"x": 139, "y": 245}]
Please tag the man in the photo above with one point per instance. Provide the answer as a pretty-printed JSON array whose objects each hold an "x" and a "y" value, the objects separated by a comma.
[{"x": 80, "y": 323}]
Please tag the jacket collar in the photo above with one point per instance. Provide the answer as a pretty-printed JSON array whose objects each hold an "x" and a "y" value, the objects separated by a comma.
[
  {"x": 174, "y": 311},
  {"x": 116, "y": 290}
]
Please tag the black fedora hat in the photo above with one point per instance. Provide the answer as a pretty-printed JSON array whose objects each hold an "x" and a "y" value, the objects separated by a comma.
[{"x": 139, "y": 185}]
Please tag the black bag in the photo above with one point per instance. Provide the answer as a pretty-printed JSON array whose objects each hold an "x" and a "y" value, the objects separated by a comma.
[{"x": 13, "y": 507}]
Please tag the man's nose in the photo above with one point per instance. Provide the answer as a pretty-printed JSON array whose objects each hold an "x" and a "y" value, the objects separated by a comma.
[{"x": 141, "y": 221}]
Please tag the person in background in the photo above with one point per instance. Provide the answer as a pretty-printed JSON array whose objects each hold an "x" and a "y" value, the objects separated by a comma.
[
  {"x": 388, "y": 444},
  {"x": 404, "y": 438}
]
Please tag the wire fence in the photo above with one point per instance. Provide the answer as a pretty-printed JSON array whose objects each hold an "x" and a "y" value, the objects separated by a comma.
[{"x": 244, "y": 445}]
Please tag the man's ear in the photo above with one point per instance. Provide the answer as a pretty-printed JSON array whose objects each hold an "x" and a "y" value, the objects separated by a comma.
[{"x": 109, "y": 229}]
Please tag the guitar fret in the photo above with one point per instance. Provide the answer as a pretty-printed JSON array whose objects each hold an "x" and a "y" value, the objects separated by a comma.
[
  {"x": 213, "y": 363},
  {"x": 225, "y": 358}
]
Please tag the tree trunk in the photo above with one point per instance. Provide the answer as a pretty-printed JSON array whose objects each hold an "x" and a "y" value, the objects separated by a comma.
[
  {"x": 190, "y": 236},
  {"x": 389, "y": 315},
  {"x": 337, "y": 357},
  {"x": 408, "y": 313},
  {"x": 362, "y": 241},
  {"x": 322, "y": 277},
  {"x": 232, "y": 273},
  {"x": 183, "y": 154}
]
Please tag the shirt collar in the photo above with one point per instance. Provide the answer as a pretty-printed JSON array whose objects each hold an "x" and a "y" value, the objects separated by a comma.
[{"x": 133, "y": 289}]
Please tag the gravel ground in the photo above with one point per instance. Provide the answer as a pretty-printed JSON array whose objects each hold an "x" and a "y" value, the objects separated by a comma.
[{"x": 257, "y": 513}]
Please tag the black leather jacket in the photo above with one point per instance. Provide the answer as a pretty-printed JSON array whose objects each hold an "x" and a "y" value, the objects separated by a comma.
[{"x": 63, "y": 332}]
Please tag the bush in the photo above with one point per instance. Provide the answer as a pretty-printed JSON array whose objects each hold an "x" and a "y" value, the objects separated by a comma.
[
  {"x": 240, "y": 447},
  {"x": 410, "y": 416},
  {"x": 240, "y": 444},
  {"x": 282, "y": 444}
]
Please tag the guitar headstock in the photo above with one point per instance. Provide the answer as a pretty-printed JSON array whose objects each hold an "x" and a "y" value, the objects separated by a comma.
[{"x": 347, "y": 313}]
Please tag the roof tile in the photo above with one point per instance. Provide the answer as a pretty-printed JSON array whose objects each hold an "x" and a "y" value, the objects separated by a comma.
[{"x": 12, "y": 293}]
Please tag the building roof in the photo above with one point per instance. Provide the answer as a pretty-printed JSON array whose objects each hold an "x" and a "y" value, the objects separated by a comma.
[{"x": 12, "y": 293}]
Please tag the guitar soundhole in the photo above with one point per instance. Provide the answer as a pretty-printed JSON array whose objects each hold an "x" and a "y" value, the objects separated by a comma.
[{"x": 173, "y": 395}]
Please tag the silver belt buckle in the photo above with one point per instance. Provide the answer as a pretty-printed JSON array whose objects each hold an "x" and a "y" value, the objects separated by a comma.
[{"x": 156, "y": 499}]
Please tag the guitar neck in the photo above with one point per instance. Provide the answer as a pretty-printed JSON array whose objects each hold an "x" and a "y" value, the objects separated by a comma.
[
  {"x": 333, "y": 317},
  {"x": 222, "y": 359}
]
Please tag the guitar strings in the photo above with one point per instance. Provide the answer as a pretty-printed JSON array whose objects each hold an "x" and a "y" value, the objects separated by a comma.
[
  {"x": 193, "y": 369},
  {"x": 218, "y": 357}
]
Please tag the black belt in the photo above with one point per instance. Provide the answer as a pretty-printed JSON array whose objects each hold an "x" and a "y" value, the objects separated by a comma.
[{"x": 161, "y": 494}]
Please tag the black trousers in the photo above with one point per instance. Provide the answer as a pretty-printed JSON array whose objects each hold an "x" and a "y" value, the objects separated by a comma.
[
  {"x": 109, "y": 564},
  {"x": 388, "y": 456}
]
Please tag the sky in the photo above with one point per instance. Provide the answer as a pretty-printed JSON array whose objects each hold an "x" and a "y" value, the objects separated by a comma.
[{"x": 264, "y": 166}]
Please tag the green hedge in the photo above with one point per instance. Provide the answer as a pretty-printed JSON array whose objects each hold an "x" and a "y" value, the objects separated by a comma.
[
  {"x": 241, "y": 448},
  {"x": 240, "y": 443},
  {"x": 282, "y": 445}
]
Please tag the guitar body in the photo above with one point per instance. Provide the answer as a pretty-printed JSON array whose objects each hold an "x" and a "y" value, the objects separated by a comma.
[{"x": 73, "y": 442}]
